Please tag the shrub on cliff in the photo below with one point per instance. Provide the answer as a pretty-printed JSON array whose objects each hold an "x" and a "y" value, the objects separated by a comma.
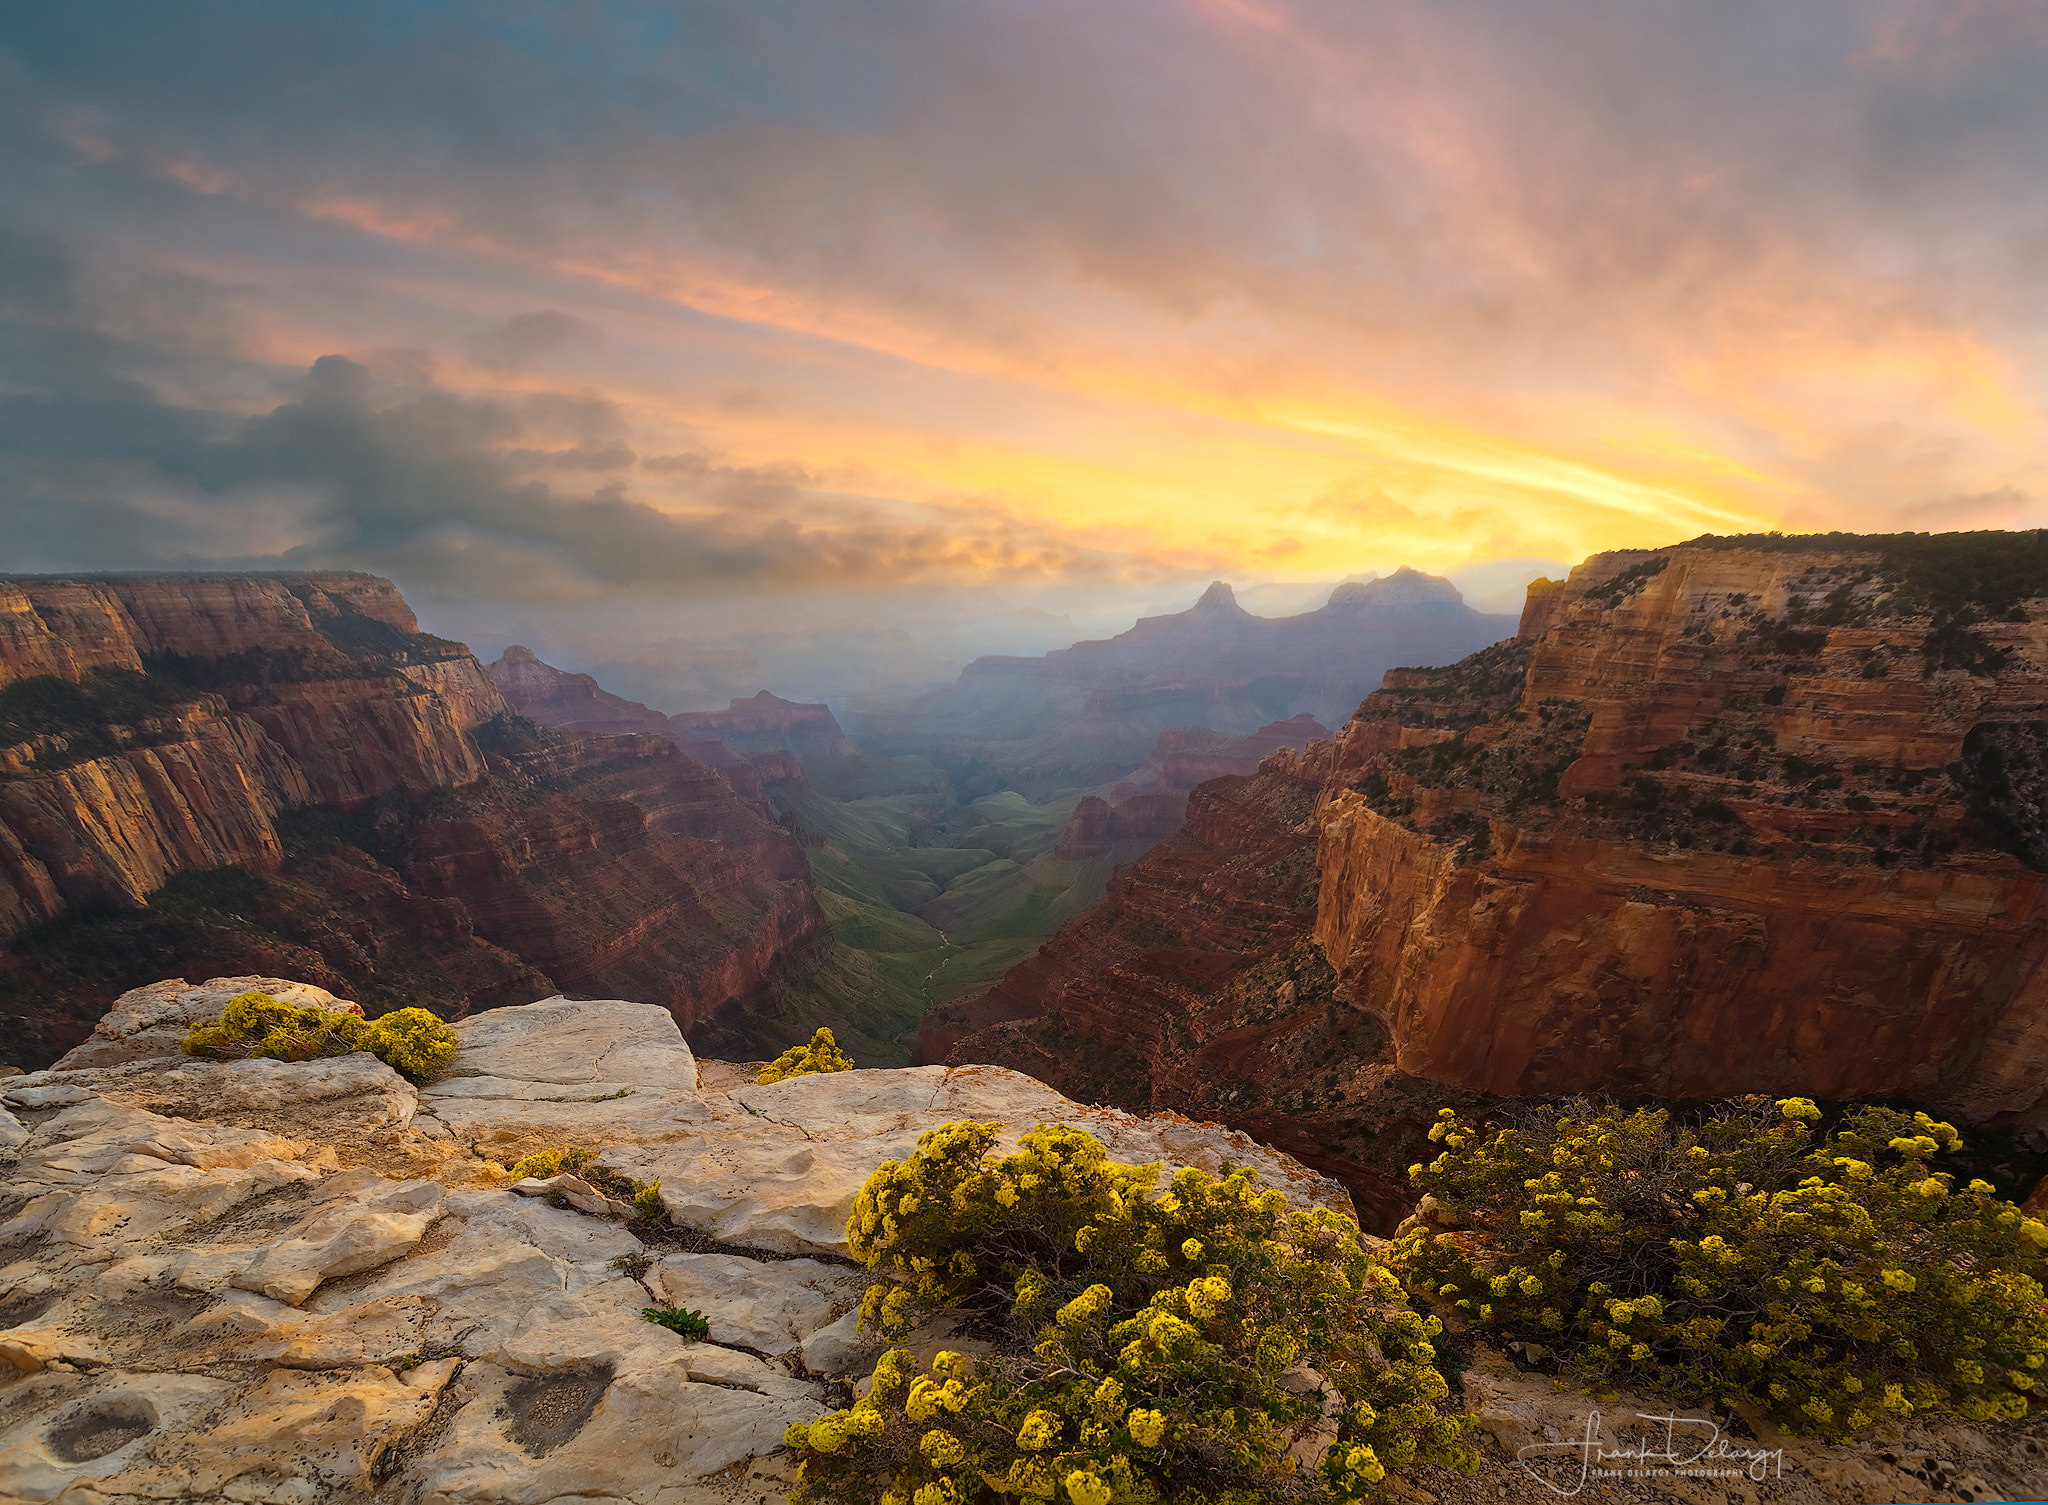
[
  {"x": 1833, "y": 1281},
  {"x": 1205, "y": 1345},
  {"x": 822, "y": 1054},
  {"x": 410, "y": 1041}
]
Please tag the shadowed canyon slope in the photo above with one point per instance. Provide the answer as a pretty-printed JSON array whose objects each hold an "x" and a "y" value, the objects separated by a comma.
[
  {"x": 1087, "y": 715},
  {"x": 1737, "y": 816},
  {"x": 219, "y": 773},
  {"x": 928, "y": 897}
]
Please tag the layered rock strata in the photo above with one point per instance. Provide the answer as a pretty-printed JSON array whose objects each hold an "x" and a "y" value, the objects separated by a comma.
[
  {"x": 765, "y": 743},
  {"x": 283, "y": 772},
  {"x": 1746, "y": 826},
  {"x": 1194, "y": 986}
]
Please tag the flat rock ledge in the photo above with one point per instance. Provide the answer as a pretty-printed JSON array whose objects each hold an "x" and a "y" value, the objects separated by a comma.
[{"x": 314, "y": 1284}]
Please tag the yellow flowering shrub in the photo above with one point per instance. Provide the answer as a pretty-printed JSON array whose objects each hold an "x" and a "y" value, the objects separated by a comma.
[
  {"x": 822, "y": 1054},
  {"x": 410, "y": 1041},
  {"x": 1834, "y": 1281},
  {"x": 1140, "y": 1339}
]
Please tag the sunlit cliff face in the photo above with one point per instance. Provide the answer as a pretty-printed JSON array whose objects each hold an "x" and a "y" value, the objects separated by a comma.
[{"x": 1048, "y": 297}]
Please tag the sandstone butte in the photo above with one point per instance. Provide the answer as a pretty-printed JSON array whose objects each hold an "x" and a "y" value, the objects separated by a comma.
[
  {"x": 1740, "y": 816},
  {"x": 312, "y": 1283},
  {"x": 345, "y": 796}
]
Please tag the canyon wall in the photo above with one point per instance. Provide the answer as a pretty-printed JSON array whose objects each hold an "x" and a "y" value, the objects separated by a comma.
[
  {"x": 1738, "y": 816},
  {"x": 226, "y": 704},
  {"x": 1735, "y": 835},
  {"x": 340, "y": 793}
]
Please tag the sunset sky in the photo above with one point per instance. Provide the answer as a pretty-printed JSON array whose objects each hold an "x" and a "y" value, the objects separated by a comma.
[{"x": 975, "y": 323}]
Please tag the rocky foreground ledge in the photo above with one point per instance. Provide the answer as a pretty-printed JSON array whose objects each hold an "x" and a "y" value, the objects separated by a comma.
[
  {"x": 296, "y": 1282},
  {"x": 314, "y": 1284}
]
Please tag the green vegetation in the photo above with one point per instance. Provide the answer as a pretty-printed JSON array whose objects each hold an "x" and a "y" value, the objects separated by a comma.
[
  {"x": 410, "y": 1041},
  {"x": 678, "y": 1319},
  {"x": 1160, "y": 1349},
  {"x": 1474, "y": 689},
  {"x": 647, "y": 1203},
  {"x": 2003, "y": 775},
  {"x": 1518, "y": 770},
  {"x": 1992, "y": 572},
  {"x": 511, "y": 735},
  {"x": 820, "y": 1056},
  {"x": 104, "y": 712},
  {"x": 1833, "y": 1280},
  {"x": 928, "y": 901},
  {"x": 545, "y": 1165},
  {"x": 1957, "y": 579},
  {"x": 1629, "y": 581}
]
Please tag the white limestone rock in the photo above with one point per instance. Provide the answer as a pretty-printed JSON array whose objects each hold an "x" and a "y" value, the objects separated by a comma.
[
  {"x": 294, "y": 1435},
  {"x": 649, "y": 1434},
  {"x": 574, "y": 1190},
  {"x": 578, "y": 1043},
  {"x": 840, "y": 1348},
  {"x": 68, "y": 1431},
  {"x": 786, "y": 1181},
  {"x": 378, "y": 1096},
  {"x": 104, "y": 1175},
  {"x": 271, "y": 1307},
  {"x": 768, "y": 1306},
  {"x": 359, "y": 1225},
  {"x": 590, "y": 1073}
]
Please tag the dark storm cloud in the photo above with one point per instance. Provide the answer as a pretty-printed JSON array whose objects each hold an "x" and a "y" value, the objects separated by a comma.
[
  {"x": 1178, "y": 154},
  {"x": 436, "y": 486}
]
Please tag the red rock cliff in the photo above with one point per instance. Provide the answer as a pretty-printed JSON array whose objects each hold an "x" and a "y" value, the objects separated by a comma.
[
  {"x": 152, "y": 727},
  {"x": 1765, "y": 859}
]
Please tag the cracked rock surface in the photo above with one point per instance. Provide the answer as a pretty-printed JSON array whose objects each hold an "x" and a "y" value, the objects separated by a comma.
[{"x": 313, "y": 1283}]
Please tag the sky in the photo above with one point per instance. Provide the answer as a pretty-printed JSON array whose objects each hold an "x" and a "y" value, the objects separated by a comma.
[{"x": 708, "y": 345}]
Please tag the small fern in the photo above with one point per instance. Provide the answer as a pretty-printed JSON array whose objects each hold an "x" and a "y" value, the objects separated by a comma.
[{"x": 677, "y": 1319}]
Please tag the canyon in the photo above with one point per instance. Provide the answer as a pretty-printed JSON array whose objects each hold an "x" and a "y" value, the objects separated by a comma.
[
  {"x": 928, "y": 897},
  {"x": 1741, "y": 816},
  {"x": 254, "y": 771}
]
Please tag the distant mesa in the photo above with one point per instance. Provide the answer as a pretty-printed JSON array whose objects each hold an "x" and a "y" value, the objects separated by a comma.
[
  {"x": 573, "y": 702},
  {"x": 768, "y": 723},
  {"x": 760, "y": 738},
  {"x": 1148, "y": 806},
  {"x": 1087, "y": 715}
]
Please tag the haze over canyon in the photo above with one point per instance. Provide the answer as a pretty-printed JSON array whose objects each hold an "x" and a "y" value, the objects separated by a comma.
[{"x": 1748, "y": 815}]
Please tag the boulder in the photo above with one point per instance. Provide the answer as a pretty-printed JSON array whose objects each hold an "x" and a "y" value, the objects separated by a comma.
[
  {"x": 784, "y": 1177},
  {"x": 568, "y": 1072},
  {"x": 382, "y": 1098}
]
